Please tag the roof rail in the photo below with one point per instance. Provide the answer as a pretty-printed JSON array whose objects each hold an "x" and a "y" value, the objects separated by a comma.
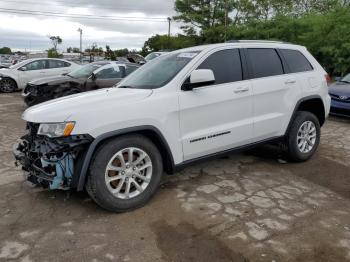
[{"x": 257, "y": 41}]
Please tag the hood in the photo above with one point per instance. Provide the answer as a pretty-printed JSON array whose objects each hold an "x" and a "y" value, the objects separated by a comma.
[
  {"x": 340, "y": 89},
  {"x": 53, "y": 80},
  {"x": 5, "y": 71},
  {"x": 84, "y": 104}
]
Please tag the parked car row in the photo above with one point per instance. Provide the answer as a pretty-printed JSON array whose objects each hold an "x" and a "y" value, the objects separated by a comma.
[
  {"x": 86, "y": 78},
  {"x": 44, "y": 79}
]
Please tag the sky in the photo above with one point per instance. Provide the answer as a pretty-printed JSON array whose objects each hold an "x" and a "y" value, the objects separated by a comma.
[{"x": 123, "y": 23}]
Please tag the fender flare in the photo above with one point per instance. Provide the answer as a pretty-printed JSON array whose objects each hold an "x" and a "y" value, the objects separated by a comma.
[
  {"x": 300, "y": 101},
  {"x": 98, "y": 140}
]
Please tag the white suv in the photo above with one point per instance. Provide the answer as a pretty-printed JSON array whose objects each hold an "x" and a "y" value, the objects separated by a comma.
[
  {"x": 18, "y": 75},
  {"x": 181, "y": 108}
]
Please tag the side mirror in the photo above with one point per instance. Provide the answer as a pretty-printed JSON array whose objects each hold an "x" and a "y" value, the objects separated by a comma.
[
  {"x": 23, "y": 68},
  {"x": 93, "y": 76},
  {"x": 338, "y": 78},
  {"x": 198, "y": 78}
]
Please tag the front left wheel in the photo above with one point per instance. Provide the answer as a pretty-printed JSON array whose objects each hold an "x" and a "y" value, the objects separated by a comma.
[
  {"x": 125, "y": 173},
  {"x": 7, "y": 85}
]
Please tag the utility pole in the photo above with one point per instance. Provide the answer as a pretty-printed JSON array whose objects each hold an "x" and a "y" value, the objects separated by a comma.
[
  {"x": 169, "y": 21},
  {"x": 81, "y": 44},
  {"x": 226, "y": 14}
]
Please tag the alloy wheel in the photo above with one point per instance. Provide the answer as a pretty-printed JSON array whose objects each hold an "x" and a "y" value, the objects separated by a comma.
[
  {"x": 7, "y": 86},
  {"x": 306, "y": 138},
  {"x": 128, "y": 173}
]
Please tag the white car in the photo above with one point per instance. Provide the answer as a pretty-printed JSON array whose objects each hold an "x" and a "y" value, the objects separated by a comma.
[
  {"x": 180, "y": 108},
  {"x": 18, "y": 75}
]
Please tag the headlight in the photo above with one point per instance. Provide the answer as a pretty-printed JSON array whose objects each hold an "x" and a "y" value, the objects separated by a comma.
[{"x": 56, "y": 129}]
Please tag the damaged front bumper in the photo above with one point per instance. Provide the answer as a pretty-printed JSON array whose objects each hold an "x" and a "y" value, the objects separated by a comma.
[
  {"x": 33, "y": 95},
  {"x": 51, "y": 162}
]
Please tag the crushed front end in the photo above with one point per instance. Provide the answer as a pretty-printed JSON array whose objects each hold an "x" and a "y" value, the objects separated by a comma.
[{"x": 51, "y": 162}]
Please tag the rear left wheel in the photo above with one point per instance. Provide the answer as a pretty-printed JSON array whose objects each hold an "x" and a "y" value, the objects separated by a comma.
[{"x": 125, "y": 173}]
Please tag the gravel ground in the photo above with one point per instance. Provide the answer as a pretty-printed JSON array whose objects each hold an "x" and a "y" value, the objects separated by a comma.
[{"x": 247, "y": 207}]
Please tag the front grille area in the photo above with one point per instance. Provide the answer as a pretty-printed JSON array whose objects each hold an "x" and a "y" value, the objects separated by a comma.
[{"x": 339, "y": 99}]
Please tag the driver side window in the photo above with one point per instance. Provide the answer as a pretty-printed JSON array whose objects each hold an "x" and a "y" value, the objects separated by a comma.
[
  {"x": 226, "y": 66},
  {"x": 36, "y": 65},
  {"x": 110, "y": 72}
]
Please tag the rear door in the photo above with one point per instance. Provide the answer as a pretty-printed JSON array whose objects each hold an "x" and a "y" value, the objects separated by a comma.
[
  {"x": 57, "y": 67},
  {"x": 274, "y": 92},
  {"x": 219, "y": 116},
  {"x": 300, "y": 67}
]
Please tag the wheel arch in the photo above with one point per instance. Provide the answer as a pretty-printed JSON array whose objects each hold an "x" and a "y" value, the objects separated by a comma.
[
  {"x": 150, "y": 132},
  {"x": 14, "y": 80},
  {"x": 313, "y": 104}
]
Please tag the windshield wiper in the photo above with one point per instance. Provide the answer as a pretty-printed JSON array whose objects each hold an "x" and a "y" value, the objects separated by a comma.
[{"x": 344, "y": 81}]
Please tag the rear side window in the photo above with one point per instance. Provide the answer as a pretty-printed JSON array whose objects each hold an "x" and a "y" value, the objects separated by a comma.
[
  {"x": 56, "y": 64},
  {"x": 226, "y": 65},
  {"x": 265, "y": 62},
  {"x": 296, "y": 61},
  {"x": 110, "y": 72}
]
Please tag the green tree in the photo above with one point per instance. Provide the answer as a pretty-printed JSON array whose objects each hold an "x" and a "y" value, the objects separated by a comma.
[
  {"x": 164, "y": 42},
  {"x": 73, "y": 50},
  {"x": 109, "y": 54},
  {"x": 326, "y": 35},
  {"x": 55, "y": 40},
  {"x": 5, "y": 50},
  {"x": 52, "y": 53},
  {"x": 121, "y": 52}
]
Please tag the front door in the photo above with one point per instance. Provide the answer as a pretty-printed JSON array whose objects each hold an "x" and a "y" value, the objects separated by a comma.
[
  {"x": 108, "y": 76},
  {"x": 33, "y": 70},
  {"x": 217, "y": 117}
]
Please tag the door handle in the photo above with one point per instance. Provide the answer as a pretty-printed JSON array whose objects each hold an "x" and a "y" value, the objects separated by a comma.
[
  {"x": 241, "y": 90},
  {"x": 289, "y": 82}
]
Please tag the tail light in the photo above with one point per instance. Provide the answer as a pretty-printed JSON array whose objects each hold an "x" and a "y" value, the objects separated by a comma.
[{"x": 328, "y": 79}]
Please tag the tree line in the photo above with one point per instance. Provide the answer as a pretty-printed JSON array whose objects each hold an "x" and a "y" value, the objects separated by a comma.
[{"x": 323, "y": 26}]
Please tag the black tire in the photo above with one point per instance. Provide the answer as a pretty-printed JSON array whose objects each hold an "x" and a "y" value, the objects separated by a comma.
[
  {"x": 8, "y": 85},
  {"x": 96, "y": 185},
  {"x": 294, "y": 152}
]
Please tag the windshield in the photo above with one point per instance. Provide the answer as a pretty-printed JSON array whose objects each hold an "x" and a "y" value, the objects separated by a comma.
[
  {"x": 151, "y": 56},
  {"x": 158, "y": 72},
  {"x": 346, "y": 79},
  {"x": 84, "y": 71},
  {"x": 18, "y": 65}
]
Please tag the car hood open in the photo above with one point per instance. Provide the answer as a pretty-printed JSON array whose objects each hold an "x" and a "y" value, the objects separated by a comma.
[{"x": 62, "y": 109}]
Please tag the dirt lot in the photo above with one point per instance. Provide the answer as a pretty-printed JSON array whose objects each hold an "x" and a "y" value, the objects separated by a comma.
[{"x": 247, "y": 207}]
